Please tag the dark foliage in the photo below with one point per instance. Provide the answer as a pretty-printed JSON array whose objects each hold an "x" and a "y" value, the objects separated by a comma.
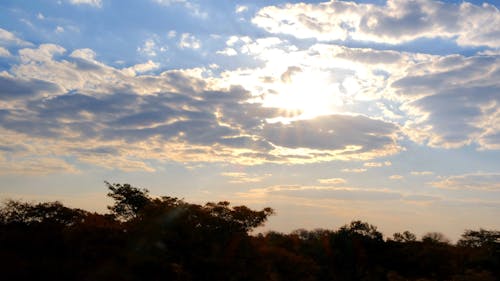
[{"x": 146, "y": 238}]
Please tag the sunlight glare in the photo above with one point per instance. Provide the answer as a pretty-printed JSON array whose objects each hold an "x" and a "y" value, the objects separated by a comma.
[{"x": 310, "y": 92}]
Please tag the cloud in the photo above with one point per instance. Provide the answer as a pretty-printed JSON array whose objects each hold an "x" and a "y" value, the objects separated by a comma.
[
  {"x": 396, "y": 22},
  {"x": 35, "y": 166},
  {"x": 422, "y": 173},
  {"x": 421, "y": 198},
  {"x": 286, "y": 77},
  {"x": 85, "y": 54},
  {"x": 8, "y": 38},
  {"x": 43, "y": 54},
  {"x": 228, "y": 52},
  {"x": 151, "y": 48},
  {"x": 355, "y": 170},
  {"x": 326, "y": 192},
  {"x": 452, "y": 101},
  {"x": 238, "y": 177},
  {"x": 396, "y": 177},
  {"x": 141, "y": 68},
  {"x": 18, "y": 88},
  {"x": 189, "y": 41},
  {"x": 377, "y": 164},
  {"x": 59, "y": 29},
  {"x": 172, "y": 34},
  {"x": 321, "y": 195},
  {"x": 75, "y": 101},
  {"x": 332, "y": 181},
  {"x": 240, "y": 9},
  {"x": 169, "y": 2},
  {"x": 328, "y": 133},
  {"x": 4, "y": 52},
  {"x": 476, "y": 181},
  {"x": 94, "y": 3},
  {"x": 192, "y": 7}
]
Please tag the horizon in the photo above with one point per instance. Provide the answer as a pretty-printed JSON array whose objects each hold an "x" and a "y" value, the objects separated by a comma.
[{"x": 327, "y": 111}]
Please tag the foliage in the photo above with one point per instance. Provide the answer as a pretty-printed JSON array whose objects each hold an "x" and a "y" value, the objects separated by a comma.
[
  {"x": 435, "y": 237},
  {"x": 362, "y": 229},
  {"x": 166, "y": 238},
  {"x": 481, "y": 238},
  {"x": 404, "y": 237},
  {"x": 16, "y": 212},
  {"x": 129, "y": 200}
]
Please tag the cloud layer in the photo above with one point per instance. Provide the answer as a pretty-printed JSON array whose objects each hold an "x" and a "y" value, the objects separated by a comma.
[
  {"x": 75, "y": 106},
  {"x": 396, "y": 22}
]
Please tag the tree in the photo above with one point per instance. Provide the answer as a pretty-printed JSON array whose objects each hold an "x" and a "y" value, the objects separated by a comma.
[
  {"x": 238, "y": 218},
  {"x": 475, "y": 239},
  {"x": 129, "y": 200},
  {"x": 435, "y": 237},
  {"x": 404, "y": 237},
  {"x": 16, "y": 212},
  {"x": 363, "y": 229}
]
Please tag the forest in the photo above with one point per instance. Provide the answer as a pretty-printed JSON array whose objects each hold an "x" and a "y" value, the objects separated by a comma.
[{"x": 165, "y": 238}]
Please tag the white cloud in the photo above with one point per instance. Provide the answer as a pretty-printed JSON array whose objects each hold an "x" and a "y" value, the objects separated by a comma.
[
  {"x": 452, "y": 101},
  {"x": 59, "y": 29},
  {"x": 422, "y": 173},
  {"x": 169, "y": 2},
  {"x": 91, "y": 109},
  {"x": 238, "y": 177},
  {"x": 240, "y": 9},
  {"x": 475, "y": 181},
  {"x": 396, "y": 22},
  {"x": 172, "y": 34},
  {"x": 189, "y": 41},
  {"x": 151, "y": 48},
  {"x": 396, "y": 177},
  {"x": 36, "y": 166},
  {"x": 377, "y": 164},
  {"x": 86, "y": 54},
  {"x": 228, "y": 52},
  {"x": 355, "y": 170},
  {"x": 192, "y": 7},
  {"x": 325, "y": 192},
  {"x": 332, "y": 181},
  {"x": 141, "y": 68},
  {"x": 94, "y": 3},
  {"x": 44, "y": 53},
  {"x": 4, "y": 52},
  {"x": 373, "y": 164},
  {"x": 8, "y": 38}
]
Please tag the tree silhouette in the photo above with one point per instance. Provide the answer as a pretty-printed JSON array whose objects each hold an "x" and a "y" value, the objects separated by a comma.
[
  {"x": 129, "y": 200},
  {"x": 165, "y": 238},
  {"x": 404, "y": 237},
  {"x": 482, "y": 237},
  {"x": 16, "y": 212}
]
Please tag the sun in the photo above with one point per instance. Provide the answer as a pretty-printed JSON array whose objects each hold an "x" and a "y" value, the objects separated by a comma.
[{"x": 311, "y": 93}]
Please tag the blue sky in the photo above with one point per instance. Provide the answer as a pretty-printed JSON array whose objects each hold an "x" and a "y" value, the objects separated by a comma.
[{"x": 326, "y": 111}]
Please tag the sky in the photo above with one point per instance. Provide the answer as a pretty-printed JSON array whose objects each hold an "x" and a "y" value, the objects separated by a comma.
[{"x": 383, "y": 111}]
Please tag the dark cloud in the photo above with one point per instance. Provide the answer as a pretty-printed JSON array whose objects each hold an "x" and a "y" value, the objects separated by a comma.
[
  {"x": 17, "y": 88},
  {"x": 458, "y": 97},
  {"x": 286, "y": 77},
  {"x": 85, "y": 65},
  {"x": 410, "y": 18},
  {"x": 332, "y": 132}
]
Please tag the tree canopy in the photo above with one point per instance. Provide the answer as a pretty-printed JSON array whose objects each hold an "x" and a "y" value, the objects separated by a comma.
[{"x": 144, "y": 237}]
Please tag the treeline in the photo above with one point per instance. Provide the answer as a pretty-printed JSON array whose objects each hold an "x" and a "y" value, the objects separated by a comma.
[{"x": 166, "y": 238}]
